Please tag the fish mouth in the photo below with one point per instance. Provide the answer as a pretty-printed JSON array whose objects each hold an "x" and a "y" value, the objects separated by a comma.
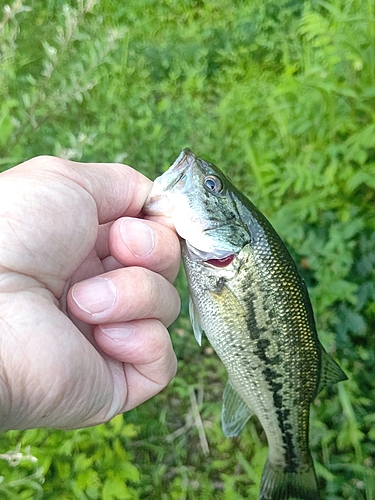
[
  {"x": 180, "y": 166},
  {"x": 174, "y": 178},
  {"x": 186, "y": 152},
  {"x": 183, "y": 162},
  {"x": 178, "y": 170}
]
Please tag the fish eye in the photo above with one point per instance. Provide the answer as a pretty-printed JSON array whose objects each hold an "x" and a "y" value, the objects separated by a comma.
[{"x": 213, "y": 184}]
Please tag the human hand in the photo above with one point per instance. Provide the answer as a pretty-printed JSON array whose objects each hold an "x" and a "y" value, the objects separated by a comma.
[{"x": 85, "y": 294}]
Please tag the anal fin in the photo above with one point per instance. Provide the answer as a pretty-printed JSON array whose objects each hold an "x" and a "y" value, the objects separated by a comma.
[{"x": 235, "y": 412}]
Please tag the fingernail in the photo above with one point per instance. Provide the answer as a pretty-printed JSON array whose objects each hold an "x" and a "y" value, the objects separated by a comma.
[
  {"x": 95, "y": 295},
  {"x": 118, "y": 333},
  {"x": 138, "y": 237}
]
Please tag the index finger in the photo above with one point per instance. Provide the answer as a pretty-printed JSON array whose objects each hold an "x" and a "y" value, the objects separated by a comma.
[{"x": 116, "y": 189}]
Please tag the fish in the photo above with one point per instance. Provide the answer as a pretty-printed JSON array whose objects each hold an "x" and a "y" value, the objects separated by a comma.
[{"x": 248, "y": 298}]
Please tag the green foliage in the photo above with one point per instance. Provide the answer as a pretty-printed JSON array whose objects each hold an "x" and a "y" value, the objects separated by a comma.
[
  {"x": 278, "y": 93},
  {"x": 88, "y": 464}
]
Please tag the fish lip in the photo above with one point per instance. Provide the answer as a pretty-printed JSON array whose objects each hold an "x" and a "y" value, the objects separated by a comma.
[
  {"x": 180, "y": 166},
  {"x": 188, "y": 156},
  {"x": 168, "y": 181},
  {"x": 185, "y": 152}
]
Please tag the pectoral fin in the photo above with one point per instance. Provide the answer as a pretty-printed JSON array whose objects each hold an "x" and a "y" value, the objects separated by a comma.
[
  {"x": 235, "y": 412},
  {"x": 331, "y": 373},
  {"x": 195, "y": 321}
]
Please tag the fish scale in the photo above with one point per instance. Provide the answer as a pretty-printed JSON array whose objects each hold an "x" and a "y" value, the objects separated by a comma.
[{"x": 246, "y": 295}]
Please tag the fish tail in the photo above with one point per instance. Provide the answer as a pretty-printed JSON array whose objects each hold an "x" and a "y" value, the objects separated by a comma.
[{"x": 283, "y": 485}]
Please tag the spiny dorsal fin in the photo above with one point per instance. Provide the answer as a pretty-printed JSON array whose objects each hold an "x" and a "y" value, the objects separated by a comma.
[
  {"x": 330, "y": 373},
  {"x": 195, "y": 321},
  {"x": 235, "y": 412}
]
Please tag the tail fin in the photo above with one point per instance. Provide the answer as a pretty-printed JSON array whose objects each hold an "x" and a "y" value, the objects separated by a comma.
[{"x": 282, "y": 485}]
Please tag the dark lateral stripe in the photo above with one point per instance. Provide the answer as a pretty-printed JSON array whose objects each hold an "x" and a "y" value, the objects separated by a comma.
[{"x": 283, "y": 414}]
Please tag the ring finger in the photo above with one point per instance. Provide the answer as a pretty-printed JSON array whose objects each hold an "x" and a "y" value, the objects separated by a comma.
[{"x": 124, "y": 295}]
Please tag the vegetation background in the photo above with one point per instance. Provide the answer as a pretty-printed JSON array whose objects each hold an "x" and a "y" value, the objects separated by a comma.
[{"x": 281, "y": 95}]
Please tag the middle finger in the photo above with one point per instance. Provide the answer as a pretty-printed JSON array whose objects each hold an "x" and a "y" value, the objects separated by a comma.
[{"x": 144, "y": 243}]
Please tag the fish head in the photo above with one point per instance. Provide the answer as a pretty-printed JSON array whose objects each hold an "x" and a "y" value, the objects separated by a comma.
[{"x": 204, "y": 208}]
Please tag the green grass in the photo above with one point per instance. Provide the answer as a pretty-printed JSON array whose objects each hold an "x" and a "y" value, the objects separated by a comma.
[{"x": 280, "y": 95}]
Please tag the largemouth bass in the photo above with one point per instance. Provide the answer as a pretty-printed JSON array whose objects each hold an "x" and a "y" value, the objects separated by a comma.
[{"x": 247, "y": 296}]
